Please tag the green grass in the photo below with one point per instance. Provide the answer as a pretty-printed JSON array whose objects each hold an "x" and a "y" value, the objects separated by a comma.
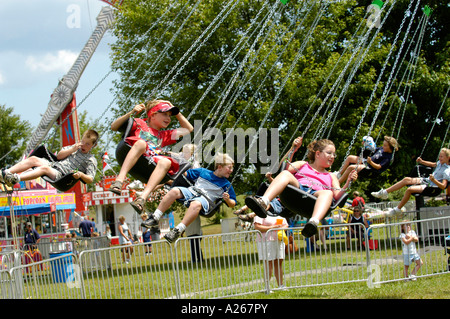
[
  {"x": 433, "y": 287},
  {"x": 229, "y": 264}
]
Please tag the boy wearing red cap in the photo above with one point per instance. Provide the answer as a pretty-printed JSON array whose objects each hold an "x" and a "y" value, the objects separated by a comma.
[{"x": 147, "y": 137}]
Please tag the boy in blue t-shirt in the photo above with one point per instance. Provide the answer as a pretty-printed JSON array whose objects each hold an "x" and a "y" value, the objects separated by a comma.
[{"x": 208, "y": 187}]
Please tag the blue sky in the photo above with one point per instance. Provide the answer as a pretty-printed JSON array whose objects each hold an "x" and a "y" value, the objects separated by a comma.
[{"x": 39, "y": 41}]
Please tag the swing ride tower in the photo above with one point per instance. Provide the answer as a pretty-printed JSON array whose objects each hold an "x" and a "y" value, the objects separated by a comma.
[{"x": 61, "y": 108}]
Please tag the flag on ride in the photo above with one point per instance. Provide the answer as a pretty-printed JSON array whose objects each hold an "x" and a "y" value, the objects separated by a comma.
[{"x": 106, "y": 165}]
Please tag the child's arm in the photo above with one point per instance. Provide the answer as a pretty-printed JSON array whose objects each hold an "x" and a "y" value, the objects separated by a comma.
[
  {"x": 407, "y": 239},
  {"x": 294, "y": 148},
  {"x": 185, "y": 127},
  {"x": 426, "y": 163},
  {"x": 263, "y": 228},
  {"x": 338, "y": 191},
  {"x": 119, "y": 122},
  {"x": 230, "y": 202},
  {"x": 85, "y": 178},
  {"x": 441, "y": 185},
  {"x": 371, "y": 163},
  {"x": 62, "y": 154}
]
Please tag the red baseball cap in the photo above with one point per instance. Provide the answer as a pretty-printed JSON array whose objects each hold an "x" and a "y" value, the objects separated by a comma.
[{"x": 163, "y": 107}]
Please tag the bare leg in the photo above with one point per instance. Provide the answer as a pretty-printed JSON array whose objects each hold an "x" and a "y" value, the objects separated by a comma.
[
  {"x": 323, "y": 203},
  {"x": 157, "y": 176},
  {"x": 404, "y": 182},
  {"x": 349, "y": 169},
  {"x": 38, "y": 172},
  {"x": 169, "y": 199},
  {"x": 409, "y": 191},
  {"x": 278, "y": 270},
  {"x": 418, "y": 265},
  {"x": 279, "y": 184},
  {"x": 41, "y": 168},
  {"x": 270, "y": 263},
  {"x": 191, "y": 213},
  {"x": 351, "y": 159},
  {"x": 405, "y": 271}
]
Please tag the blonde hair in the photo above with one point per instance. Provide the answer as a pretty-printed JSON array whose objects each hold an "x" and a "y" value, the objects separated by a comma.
[
  {"x": 392, "y": 142},
  {"x": 315, "y": 146},
  {"x": 151, "y": 104},
  {"x": 144, "y": 215},
  {"x": 190, "y": 147},
  {"x": 446, "y": 151},
  {"x": 222, "y": 159}
]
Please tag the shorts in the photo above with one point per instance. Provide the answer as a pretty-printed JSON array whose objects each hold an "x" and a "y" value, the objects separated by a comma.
[
  {"x": 277, "y": 207},
  {"x": 408, "y": 258},
  {"x": 307, "y": 189},
  {"x": 154, "y": 157},
  {"x": 146, "y": 237},
  {"x": 274, "y": 250},
  {"x": 56, "y": 171},
  {"x": 189, "y": 197},
  {"x": 174, "y": 166}
]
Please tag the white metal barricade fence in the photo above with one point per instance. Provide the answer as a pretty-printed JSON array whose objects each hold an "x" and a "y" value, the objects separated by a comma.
[
  {"x": 390, "y": 256},
  {"x": 227, "y": 265}
]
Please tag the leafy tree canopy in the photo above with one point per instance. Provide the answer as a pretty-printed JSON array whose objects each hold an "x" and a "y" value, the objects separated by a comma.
[{"x": 307, "y": 68}]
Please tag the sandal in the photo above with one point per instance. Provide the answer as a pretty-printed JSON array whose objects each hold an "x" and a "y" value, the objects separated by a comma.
[
  {"x": 257, "y": 205},
  {"x": 116, "y": 187},
  {"x": 240, "y": 211},
  {"x": 138, "y": 204},
  {"x": 245, "y": 218}
]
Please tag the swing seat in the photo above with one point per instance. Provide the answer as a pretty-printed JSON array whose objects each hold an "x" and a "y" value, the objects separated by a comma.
[
  {"x": 144, "y": 166},
  {"x": 421, "y": 171},
  {"x": 427, "y": 192},
  {"x": 62, "y": 184},
  {"x": 302, "y": 203},
  {"x": 369, "y": 173},
  {"x": 182, "y": 181}
]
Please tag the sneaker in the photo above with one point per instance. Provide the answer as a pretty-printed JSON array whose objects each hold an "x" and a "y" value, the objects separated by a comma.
[
  {"x": 172, "y": 235},
  {"x": 381, "y": 194},
  {"x": 394, "y": 212},
  {"x": 257, "y": 205},
  {"x": 310, "y": 229},
  {"x": 413, "y": 277},
  {"x": 150, "y": 222},
  {"x": 10, "y": 179}
]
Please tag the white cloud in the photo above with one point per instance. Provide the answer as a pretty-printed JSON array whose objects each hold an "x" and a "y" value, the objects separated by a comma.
[
  {"x": 2, "y": 79},
  {"x": 49, "y": 62}
]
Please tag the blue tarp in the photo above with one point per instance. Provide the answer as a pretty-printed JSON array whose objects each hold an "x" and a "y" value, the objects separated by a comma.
[{"x": 24, "y": 210}]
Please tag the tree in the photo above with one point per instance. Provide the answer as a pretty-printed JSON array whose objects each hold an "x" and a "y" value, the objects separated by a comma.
[
  {"x": 236, "y": 70},
  {"x": 14, "y": 133}
]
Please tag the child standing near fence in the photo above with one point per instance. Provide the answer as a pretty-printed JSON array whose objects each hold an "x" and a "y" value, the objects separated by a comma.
[
  {"x": 409, "y": 240},
  {"x": 275, "y": 248}
]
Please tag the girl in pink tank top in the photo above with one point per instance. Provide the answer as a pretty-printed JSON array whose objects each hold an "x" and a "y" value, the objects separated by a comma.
[
  {"x": 309, "y": 177},
  {"x": 312, "y": 176}
]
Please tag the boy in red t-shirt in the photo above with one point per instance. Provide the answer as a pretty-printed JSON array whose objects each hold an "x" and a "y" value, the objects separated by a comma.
[{"x": 147, "y": 137}]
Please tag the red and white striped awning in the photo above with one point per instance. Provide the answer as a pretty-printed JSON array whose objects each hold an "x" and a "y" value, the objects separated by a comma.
[
  {"x": 109, "y": 201},
  {"x": 106, "y": 197}
]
